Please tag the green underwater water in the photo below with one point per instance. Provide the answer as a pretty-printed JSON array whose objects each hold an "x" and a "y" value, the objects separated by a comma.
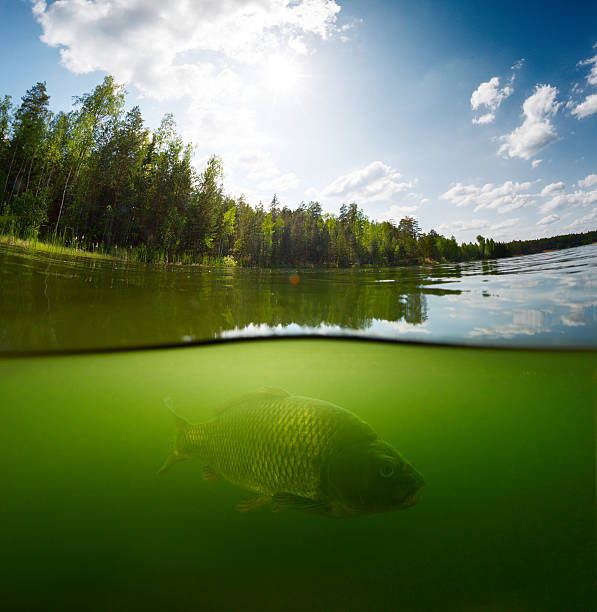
[{"x": 504, "y": 438}]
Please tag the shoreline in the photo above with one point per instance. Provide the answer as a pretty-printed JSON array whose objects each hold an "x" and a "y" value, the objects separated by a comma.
[{"x": 59, "y": 249}]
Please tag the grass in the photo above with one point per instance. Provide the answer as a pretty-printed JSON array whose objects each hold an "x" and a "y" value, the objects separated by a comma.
[{"x": 58, "y": 246}]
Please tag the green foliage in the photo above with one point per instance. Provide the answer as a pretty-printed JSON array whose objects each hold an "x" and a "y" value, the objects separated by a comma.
[
  {"x": 31, "y": 213},
  {"x": 96, "y": 178}
]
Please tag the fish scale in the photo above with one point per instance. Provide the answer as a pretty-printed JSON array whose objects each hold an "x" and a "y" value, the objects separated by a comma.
[
  {"x": 273, "y": 445},
  {"x": 299, "y": 452}
]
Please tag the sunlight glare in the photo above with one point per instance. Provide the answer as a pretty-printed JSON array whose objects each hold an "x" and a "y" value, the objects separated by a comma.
[{"x": 281, "y": 75}]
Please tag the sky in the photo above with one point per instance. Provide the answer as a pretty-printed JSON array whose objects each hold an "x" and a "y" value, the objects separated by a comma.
[{"x": 475, "y": 118}]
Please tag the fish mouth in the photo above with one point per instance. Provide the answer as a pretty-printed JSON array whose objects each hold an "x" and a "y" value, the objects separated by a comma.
[{"x": 410, "y": 500}]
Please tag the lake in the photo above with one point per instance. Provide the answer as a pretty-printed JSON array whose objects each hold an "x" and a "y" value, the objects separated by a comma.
[
  {"x": 505, "y": 438},
  {"x": 50, "y": 303}
]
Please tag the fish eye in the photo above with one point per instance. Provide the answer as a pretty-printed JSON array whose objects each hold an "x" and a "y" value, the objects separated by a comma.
[{"x": 387, "y": 469}]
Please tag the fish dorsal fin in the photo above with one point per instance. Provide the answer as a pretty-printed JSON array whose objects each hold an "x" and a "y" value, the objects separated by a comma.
[
  {"x": 274, "y": 392},
  {"x": 182, "y": 425},
  {"x": 263, "y": 392}
]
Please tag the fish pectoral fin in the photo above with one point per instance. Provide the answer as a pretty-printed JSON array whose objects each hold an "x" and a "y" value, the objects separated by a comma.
[
  {"x": 288, "y": 500},
  {"x": 175, "y": 457},
  {"x": 253, "y": 503},
  {"x": 210, "y": 475}
]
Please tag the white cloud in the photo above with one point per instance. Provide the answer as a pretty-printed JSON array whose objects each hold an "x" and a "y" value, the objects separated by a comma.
[
  {"x": 211, "y": 52},
  {"x": 547, "y": 220},
  {"x": 584, "y": 223},
  {"x": 536, "y": 162},
  {"x": 487, "y": 118},
  {"x": 586, "y": 108},
  {"x": 475, "y": 225},
  {"x": 506, "y": 197},
  {"x": 490, "y": 95},
  {"x": 592, "y": 76},
  {"x": 589, "y": 105},
  {"x": 553, "y": 188},
  {"x": 395, "y": 213},
  {"x": 518, "y": 65},
  {"x": 280, "y": 183},
  {"x": 505, "y": 224},
  {"x": 297, "y": 45},
  {"x": 113, "y": 36},
  {"x": 374, "y": 182},
  {"x": 571, "y": 206},
  {"x": 417, "y": 197},
  {"x": 588, "y": 181},
  {"x": 570, "y": 200},
  {"x": 536, "y": 131}
]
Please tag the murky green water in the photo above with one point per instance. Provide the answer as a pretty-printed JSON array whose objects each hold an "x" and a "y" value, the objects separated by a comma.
[
  {"x": 55, "y": 303},
  {"x": 505, "y": 440},
  {"x": 504, "y": 437}
]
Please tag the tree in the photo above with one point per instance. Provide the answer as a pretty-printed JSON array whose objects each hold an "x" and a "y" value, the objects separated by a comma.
[
  {"x": 25, "y": 154},
  {"x": 97, "y": 112}
]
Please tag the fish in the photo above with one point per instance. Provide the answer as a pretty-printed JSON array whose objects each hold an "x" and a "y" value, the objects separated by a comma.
[{"x": 298, "y": 452}]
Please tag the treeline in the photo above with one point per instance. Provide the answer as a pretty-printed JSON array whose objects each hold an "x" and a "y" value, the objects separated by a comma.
[
  {"x": 96, "y": 178},
  {"x": 566, "y": 241}
]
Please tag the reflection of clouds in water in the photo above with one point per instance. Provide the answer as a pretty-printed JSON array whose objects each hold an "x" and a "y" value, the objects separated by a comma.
[
  {"x": 524, "y": 283},
  {"x": 538, "y": 320},
  {"x": 576, "y": 318},
  {"x": 402, "y": 327},
  {"x": 531, "y": 322},
  {"x": 524, "y": 323},
  {"x": 504, "y": 331},
  {"x": 517, "y": 302},
  {"x": 376, "y": 328},
  {"x": 567, "y": 290},
  {"x": 475, "y": 302}
]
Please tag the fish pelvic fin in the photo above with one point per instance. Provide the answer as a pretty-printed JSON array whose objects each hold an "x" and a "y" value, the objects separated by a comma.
[
  {"x": 253, "y": 503},
  {"x": 288, "y": 500},
  {"x": 182, "y": 425}
]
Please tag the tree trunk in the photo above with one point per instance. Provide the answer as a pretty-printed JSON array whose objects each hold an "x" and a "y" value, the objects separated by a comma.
[
  {"x": 15, "y": 182},
  {"x": 9, "y": 171},
  {"x": 29, "y": 173},
  {"x": 41, "y": 176},
  {"x": 62, "y": 202}
]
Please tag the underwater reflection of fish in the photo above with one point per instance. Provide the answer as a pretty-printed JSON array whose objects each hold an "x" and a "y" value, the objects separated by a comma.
[{"x": 299, "y": 452}]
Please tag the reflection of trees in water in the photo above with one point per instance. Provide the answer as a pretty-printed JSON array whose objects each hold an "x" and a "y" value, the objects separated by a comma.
[
  {"x": 53, "y": 303},
  {"x": 489, "y": 266},
  {"x": 265, "y": 298},
  {"x": 106, "y": 304}
]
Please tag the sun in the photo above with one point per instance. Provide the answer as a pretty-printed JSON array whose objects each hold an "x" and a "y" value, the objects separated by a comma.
[{"x": 281, "y": 75}]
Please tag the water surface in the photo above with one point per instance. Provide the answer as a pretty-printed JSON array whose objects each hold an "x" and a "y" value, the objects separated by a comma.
[{"x": 56, "y": 302}]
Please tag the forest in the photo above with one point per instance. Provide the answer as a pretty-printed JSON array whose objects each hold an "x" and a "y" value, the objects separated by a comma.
[{"x": 96, "y": 178}]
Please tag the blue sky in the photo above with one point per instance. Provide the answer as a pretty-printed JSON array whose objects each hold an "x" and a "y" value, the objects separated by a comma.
[{"x": 473, "y": 117}]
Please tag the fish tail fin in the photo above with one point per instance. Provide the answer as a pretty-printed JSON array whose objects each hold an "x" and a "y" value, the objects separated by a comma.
[{"x": 182, "y": 425}]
